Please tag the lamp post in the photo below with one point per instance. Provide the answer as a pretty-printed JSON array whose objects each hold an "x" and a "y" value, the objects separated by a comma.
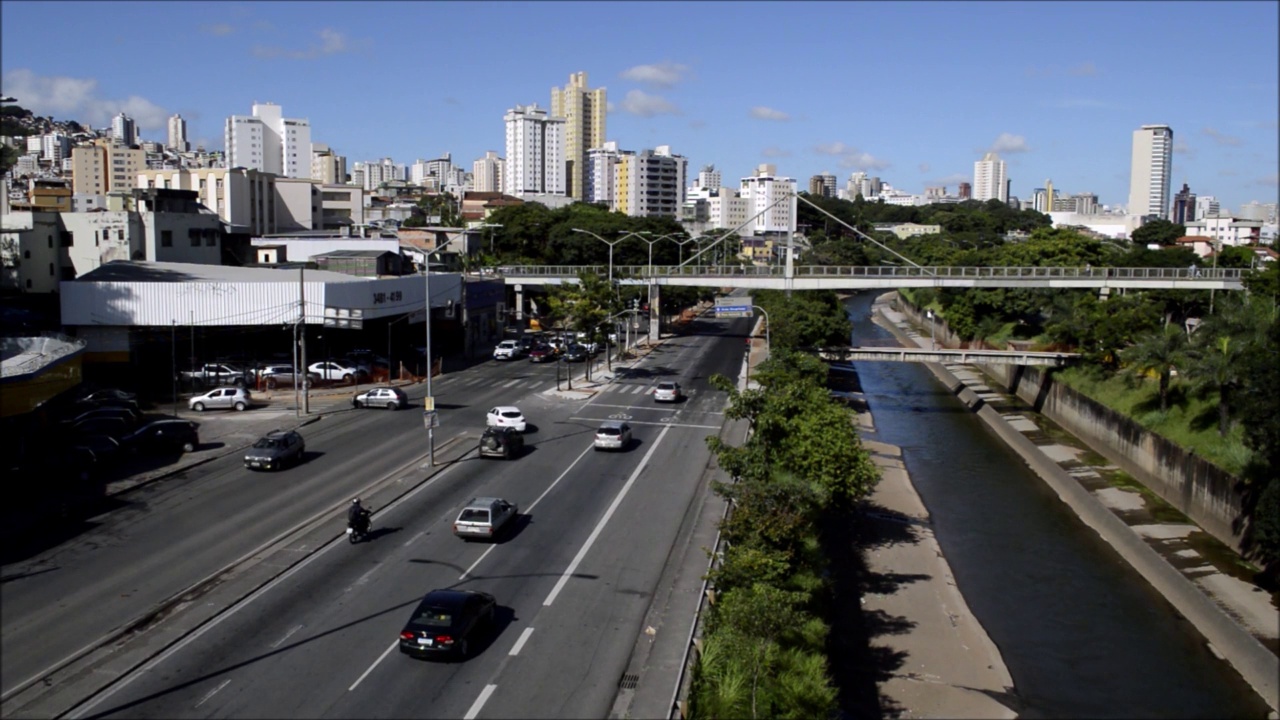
[
  {"x": 933, "y": 344},
  {"x": 490, "y": 226},
  {"x": 173, "y": 350},
  {"x": 610, "y": 243}
]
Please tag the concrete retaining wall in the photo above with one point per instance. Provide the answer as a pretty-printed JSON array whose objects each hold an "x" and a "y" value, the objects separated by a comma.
[{"x": 1199, "y": 489}]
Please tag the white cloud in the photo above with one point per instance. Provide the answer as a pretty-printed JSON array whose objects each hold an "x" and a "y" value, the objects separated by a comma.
[
  {"x": 1085, "y": 69},
  {"x": 1009, "y": 144},
  {"x": 332, "y": 42},
  {"x": 952, "y": 179},
  {"x": 68, "y": 98},
  {"x": 697, "y": 124},
  {"x": 663, "y": 75},
  {"x": 1221, "y": 138},
  {"x": 218, "y": 29},
  {"x": 1272, "y": 180},
  {"x": 1182, "y": 148},
  {"x": 924, "y": 167},
  {"x": 773, "y": 151},
  {"x": 639, "y": 102},
  {"x": 850, "y": 158},
  {"x": 761, "y": 112}
]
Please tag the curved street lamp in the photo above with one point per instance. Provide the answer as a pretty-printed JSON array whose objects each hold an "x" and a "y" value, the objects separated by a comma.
[{"x": 610, "y": 243}]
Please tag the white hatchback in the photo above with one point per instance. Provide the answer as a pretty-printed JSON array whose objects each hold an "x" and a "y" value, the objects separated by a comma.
[
  {"x": 233, "y": 398},
  {"x": 506, "y": 416}
]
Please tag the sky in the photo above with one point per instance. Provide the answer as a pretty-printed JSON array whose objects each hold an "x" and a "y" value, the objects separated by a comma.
[{"x": 913, "y": 92}]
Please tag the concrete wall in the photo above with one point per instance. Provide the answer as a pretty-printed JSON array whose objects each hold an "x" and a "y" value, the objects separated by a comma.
[{"x": 1202, "y": 491}]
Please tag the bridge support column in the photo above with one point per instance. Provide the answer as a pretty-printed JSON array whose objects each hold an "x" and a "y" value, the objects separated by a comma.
[
  {"x": 520, "y": 305},
  {"x": 655, "y": 314}
]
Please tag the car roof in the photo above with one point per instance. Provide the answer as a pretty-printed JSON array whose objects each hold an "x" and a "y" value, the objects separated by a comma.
[
  {"x": 278, "y": 433},
  {"x": 481, "y": 502},
  {"x": 612, "y": 424},
  {"x": 447, "y": 598},
  {"x": 504, "y": 408}
]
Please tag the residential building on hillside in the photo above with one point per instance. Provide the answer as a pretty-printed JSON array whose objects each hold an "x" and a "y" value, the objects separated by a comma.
[
  {"x": 772, "y": 199},
  {"x": 990, "y": 179},
  {"x": 327, "y": 167},
  {"x": 584, "y": 113},
  {"x": 55, "y": 147},
  {"x": 650, "y": 183},
  {"x": 1149, "y": 171},
  {"x": 46, "y": 194},
  {"x": 242, "y": 197},
  {"x": 486, "y": 173},
  {"x": 965, "y": 191},
  {"x": 1225, "y": 230},
  {"x": 177, "y": 140},
  {"x": 431, "y": 174},
  {"x": 124, "y": 130},
  {"x": 906, "y": 230},
  {"x": 535, "y": 152},
  {"x": 709, "y": 178},
  {"x": 105, "y": 166},
  {"x": 269, "y": 142}
]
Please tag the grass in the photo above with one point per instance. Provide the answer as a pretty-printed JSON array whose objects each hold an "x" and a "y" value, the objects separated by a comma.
[{"x": 1191, "y": 422}]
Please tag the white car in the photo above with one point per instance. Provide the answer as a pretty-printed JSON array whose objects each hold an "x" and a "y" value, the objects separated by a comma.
[
  {"x": 508, "y": 350},
  {"x": 232, "y": 398},
  {"x": 336, "y": 371},
  {"x": 667, "y": 391},
  {"x": 506, "y": 416}
]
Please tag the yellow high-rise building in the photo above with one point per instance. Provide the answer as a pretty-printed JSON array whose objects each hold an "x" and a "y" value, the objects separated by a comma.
[{"x": 584, "y": 112}]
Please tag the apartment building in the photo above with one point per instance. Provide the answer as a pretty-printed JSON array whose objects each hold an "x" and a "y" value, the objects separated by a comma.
[
  {"x": 124, "y": 130},
  {"x": 242, "y": 197},
  {"x": 599, "y": 175},
  {"x": 1149, "y": 171},
  {"x": 269, "y": 142},
  {"x": 1225, "y": 230},
  {"x": 535, "y": 152},
  {"x": 763, "y": 189},
  {"x": 327, "y": 167},
  {"x": 177, "y": 140},
  {"x": 486, "y": 173},
  {"x": 990, "y": 179},
  {"x": 650, "y": 183},
  {"x": 105, "y": 166},
  {"x": 584, "y": 113}
]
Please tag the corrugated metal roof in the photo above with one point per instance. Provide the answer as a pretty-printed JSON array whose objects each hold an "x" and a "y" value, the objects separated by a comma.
[
  {"x": 141, "y": 271},
  {"x": 352, "y": 253}
]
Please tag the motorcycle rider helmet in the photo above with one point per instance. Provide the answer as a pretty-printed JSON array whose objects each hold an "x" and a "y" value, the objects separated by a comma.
[{"x": 356, "y": 501}]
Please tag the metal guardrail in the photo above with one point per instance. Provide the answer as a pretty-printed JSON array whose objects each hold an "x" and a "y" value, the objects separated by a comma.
[{"x": 962, "y": 356}]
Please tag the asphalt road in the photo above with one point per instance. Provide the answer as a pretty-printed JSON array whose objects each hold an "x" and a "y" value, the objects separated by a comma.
[{"x": 573, "y": 581}]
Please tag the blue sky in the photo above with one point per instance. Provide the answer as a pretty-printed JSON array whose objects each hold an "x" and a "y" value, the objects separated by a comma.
[{"x": 914, "y": 92}]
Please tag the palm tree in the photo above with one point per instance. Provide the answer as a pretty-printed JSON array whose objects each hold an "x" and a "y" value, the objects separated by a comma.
[
  {"x": 1216, "y": 364},
  {"x": 1158, "y": 352}
]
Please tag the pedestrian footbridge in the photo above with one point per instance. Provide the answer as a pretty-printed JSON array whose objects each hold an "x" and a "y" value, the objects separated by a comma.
[{"x": 961, "y": 356}]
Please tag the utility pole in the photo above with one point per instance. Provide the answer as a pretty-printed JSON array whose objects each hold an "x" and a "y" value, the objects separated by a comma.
[
  {"x": 173, "y": 347},
  {"x": 430, "y": 399},
  {"x": 302, "y": 346}
]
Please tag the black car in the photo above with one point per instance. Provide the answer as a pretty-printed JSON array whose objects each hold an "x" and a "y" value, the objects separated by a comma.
[
  {"x": 275, "y": 450},
  {"x": 98, "y": 450},
  {"x": 115, "y": 427},
  {"x": 575, "y": 353},
  {"x": 503, "y": 442},
  {"x": 445, "y": 623},
  {"x": 81, "y": 414},
  {"x": 110, "y": 398},
  {"x": 171, "y": 435}
]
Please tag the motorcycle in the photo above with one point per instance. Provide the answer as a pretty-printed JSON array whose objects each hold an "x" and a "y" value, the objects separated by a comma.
[{"x": 359, "y": 530}]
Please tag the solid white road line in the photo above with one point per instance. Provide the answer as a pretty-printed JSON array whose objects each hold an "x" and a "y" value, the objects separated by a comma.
[
  {"x": 483, "y": 555},
  {"x": 213, "y": 692},
  {"x": 414, "y": 538},
  {"x": 480, "y": 701},
  {"x": 582, "y": 553},
  {"x": 524, "y": 637},
  {"x": 292, "y": 630},
  {"x": 84, "y": 708},
  {"x": 365, "y": 674}
]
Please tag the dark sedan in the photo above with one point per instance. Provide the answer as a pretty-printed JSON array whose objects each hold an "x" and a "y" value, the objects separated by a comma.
[
  {"x": 575, "y": 353},
  {"x": 542, "y": 353},
  {"x": 171, "y": 435},
  {"x": 446, "y": 622},
  {"x": 275, "y": 450}
]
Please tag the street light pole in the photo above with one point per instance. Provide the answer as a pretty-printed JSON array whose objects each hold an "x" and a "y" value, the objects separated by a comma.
[
  {"x": 610, "y": 243},
  {"x": 173, "y": 349}
]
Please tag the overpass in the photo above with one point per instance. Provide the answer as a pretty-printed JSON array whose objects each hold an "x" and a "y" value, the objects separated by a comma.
[{"x": 964, "y": 356}]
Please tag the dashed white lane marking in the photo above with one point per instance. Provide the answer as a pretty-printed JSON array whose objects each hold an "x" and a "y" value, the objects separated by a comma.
[
  {"x": 213, "y": 692},
  {"x": 663, "y": 424},
  {"x": 365, "y": 674},
  {"x": 508, "y": 383},
  {"x": 480, "y": 701},
  {"x": 524, "y": 637},
  {"x": 414, "y": 538},
  {"x": 292, "y": 630},
  {"x": 363, "y": 578},
  {"x": 582, "y": 553}
]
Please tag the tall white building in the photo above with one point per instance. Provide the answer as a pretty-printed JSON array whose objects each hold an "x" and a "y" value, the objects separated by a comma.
[
  {"x": 124, "y": 130},
  {"x": 433, "y": 174},
  {"x": 1206, "y": 205},
  {"x": 649, "y": 183},
  {"x": 763, "y": 188},
  {"x": 54, "y": 147},
  {"x": 535, "y": 152},
  {"x": 990, "y": 179},
  {"x": 709, "y": 178},
  {"x": 1150, "y": 170},
  {"x": 269, "y": 142},
  {"x": 375, "y": 174},
  {"x": 599, "y": 178},
  {"x": 486, "y": 173},
  {"x": 178, "y": 135}
]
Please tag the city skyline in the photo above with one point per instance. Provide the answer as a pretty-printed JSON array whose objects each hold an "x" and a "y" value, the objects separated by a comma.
[{"x": 916, "y": 102}]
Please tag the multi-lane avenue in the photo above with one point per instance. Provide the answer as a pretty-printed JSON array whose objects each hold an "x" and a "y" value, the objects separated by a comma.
[{"x": 573, "y": 579}]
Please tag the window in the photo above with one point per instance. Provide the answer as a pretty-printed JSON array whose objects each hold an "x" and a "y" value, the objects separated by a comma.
[
  {"x": 166, "y": 238},
  {"x": 194, "y": 236},
  {"x": 50, "y": 269},
  {"x": 26, "y": 254}
]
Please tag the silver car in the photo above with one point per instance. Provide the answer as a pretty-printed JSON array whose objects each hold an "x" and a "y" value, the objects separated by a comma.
[
  {"x": 484, "y": 518},
  {"x": 667, "y": 391},
  {"x": 613, "y": 436},
  {"x": 391, "y": 398},
  {"x": 223, "y": 398}
]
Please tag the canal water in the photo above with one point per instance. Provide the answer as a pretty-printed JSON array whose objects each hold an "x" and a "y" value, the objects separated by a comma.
[{"x": 1082, "y": 634}]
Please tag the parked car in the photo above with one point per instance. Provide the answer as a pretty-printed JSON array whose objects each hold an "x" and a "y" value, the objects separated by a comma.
[
  {"x": 217, "y": 374},
  {"x": 100, "y": 450},
  {"x": 506, "y": 416},
  {"x": 273, "y": 376},
  {"x": 391, "y": 398},
  {"x": 333, "y": 371},
  {"x": 667, "y": 391},
  {"x": 130, "y": 417},
  {"x": 613, "y": 435},
  {"x": 109, "y": 398},
  {"x": 503, "y": 442},
  {"x": 446, "y": 621},
  {"x": 575, "y": 353},
  {"x": 115, "y": 427},
  {"x": 508, "y": 350},
  {"x": 275, "y": 450},
  {"x": 224, "y": 398},
  {"x": 542, "y": 353},
  {"x": 167, "y": 435},
  {"x": 484, "y": 518}
]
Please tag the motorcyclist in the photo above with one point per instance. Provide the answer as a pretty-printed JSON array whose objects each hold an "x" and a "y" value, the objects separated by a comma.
[{"x": 358, "y": 516}]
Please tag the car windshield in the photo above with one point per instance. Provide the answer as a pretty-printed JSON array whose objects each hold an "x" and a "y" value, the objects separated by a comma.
[
  {"x": 433, "y": 617},
  {"x": 470, "y": 515},
  {"x": 266, "y": 443},
  {"x": 610, "y": 431},
  {"x": 666, "y": 386},
  {"x": 511, "y": 414}
]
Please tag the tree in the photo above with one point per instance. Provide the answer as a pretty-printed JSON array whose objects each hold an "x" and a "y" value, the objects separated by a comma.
[
  {"x": 1157, "y": 232},
  {"x": 1259, "y": 413},
  {"x": 1158, "y": 352}
]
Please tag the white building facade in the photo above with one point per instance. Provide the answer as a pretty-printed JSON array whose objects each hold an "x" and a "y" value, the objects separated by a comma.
[
  {"x": 486, "y": 173},
  {"x": 1149, "y": 171},
  {"x": 535, "y": 152},
  {"x": 761, "y": 190},
  {"x": 177, "y": 140},
  {"x": 990, "y": 179},
  {"x": 599, "y": 178},
  {"x": 269, "y": 142},
  {"x": 650, "y": 183}
]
